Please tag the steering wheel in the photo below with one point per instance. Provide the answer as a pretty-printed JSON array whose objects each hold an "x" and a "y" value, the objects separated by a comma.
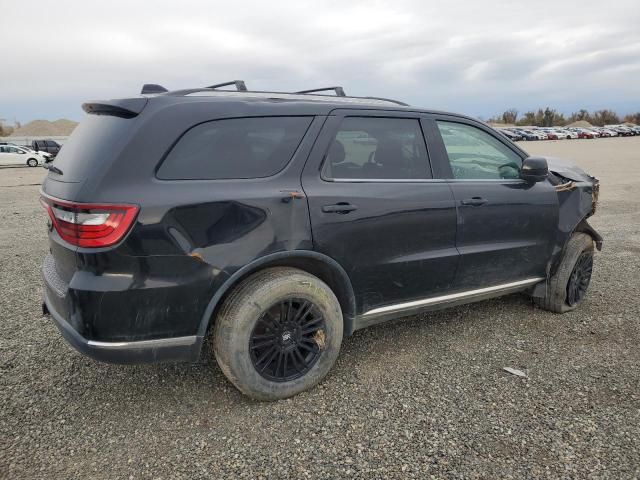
[{"x": 510, "y": 165}]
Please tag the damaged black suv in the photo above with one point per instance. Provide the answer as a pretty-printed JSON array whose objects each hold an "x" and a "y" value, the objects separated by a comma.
[{"x": 277, "y": 223}]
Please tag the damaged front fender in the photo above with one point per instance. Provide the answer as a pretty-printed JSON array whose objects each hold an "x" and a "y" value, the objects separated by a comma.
[{"x": 578, "y": 194}]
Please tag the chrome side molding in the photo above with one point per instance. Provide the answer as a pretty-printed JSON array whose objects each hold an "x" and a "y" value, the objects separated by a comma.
[
  {"x": 160, "y": 342},
  {"x": 453, "y": 297}
]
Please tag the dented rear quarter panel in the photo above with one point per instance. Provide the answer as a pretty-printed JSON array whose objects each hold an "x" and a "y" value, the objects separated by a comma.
[{"x": 188, "y": 239}]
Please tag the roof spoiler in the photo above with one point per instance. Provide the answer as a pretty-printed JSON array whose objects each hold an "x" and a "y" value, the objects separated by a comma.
[{"x": 125, "y": 108}]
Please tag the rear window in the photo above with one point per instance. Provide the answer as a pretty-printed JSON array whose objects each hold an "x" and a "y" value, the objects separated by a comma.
[
  {"x": 235, "y": 148},
  {"x": 96, "y": 141}
]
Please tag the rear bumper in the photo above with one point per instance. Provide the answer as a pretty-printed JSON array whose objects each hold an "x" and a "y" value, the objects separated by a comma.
[{"x": 175, "y": 349}]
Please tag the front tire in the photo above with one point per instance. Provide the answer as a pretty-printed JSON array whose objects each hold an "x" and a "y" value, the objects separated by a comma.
[
  {"x": 278, "y": 333},
  {"x": 568, "y": 287},
  {"x": 32, "y": 162}
]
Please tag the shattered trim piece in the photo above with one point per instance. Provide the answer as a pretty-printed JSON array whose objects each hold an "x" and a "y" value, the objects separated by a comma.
[
  {"x": 515, "y": 371},
  {"x": 566, "y": 187}
]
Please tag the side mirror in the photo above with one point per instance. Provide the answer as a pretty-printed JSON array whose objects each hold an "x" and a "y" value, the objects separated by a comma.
[{"x": 534, "y": 169}]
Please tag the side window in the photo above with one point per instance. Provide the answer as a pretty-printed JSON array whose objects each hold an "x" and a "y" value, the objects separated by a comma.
[
  {"x": 235, "y": 148},
  {"x": 474, "y": 154},
  {"x": 378, "y": 149}
]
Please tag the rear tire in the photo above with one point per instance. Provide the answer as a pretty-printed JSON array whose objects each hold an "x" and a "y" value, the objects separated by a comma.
[
  {"x": 265, "y": 343},
  {"x": 32, "y": 162},
  {"x": 567, "y": 288}
]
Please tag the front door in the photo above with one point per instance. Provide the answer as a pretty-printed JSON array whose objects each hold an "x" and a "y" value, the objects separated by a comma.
[
  {"x": 376, "y": 209},
  {"x": 506, "y": 226}
]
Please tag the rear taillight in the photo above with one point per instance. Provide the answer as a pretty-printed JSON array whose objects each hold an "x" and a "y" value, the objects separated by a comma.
[{"x": 89, "y": 225}]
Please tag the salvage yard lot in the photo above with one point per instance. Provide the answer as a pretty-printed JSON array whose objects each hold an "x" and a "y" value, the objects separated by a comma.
[{"x": 424, "y": 396}]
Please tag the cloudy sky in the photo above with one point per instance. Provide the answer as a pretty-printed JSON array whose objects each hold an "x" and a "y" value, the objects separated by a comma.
[{"x": 471, "y": 56}]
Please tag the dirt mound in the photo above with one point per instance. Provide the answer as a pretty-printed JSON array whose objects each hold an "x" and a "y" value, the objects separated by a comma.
[
  {"x": 580, "y": 124},
  {"x": 45, "y": 128}
]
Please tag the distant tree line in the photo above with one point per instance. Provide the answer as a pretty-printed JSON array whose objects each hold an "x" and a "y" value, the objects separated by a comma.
[
  {"x": 6, "y": 130},
  {"x": 550, "y": 117}
]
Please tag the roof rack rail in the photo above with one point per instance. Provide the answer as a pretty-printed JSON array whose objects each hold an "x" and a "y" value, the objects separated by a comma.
[
  {"x": 398, "y": 102},
  {"x": 339, "y": 91},
  {"x": 242, "y": 88},
  {"x": 152, "y": 88},
  {"x": 239, "y": 84}
]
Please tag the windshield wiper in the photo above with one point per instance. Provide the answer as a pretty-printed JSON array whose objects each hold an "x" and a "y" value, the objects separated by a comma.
[{"x": 53, "y": 168}]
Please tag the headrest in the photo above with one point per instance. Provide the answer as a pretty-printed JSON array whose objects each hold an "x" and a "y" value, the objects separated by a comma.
[{"x": 336, "y": 152}]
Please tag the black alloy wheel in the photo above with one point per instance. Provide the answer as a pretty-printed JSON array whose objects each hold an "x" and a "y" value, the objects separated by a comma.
[
  {"x": 579, "y": 279},
  {"x": 287, "y": 340}
]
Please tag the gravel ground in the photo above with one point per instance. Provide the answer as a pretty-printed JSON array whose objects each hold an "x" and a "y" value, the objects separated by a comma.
[{"x": 423, "y": 397}]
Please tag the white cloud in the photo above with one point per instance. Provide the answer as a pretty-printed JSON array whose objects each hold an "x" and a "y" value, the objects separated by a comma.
[{"x": 473, "y": 56}]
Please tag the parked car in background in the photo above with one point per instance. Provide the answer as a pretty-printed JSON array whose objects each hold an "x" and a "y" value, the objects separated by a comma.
[
  {"x": 606, "y": 132},
  {"x": 15, "y": 155},
  {"x": 514, "y": 137},
  {"x": 540, "y": 134},
  {"x": 49, "y": 146},
  {"x": 526, "y": 134},
  {"x": 565, "y": 134},
  {"x": 276, "y": 228},
  {"x": 551, "y": 135},
  {"x": 46, "y": 156},
  {"x": 583, "y": 132},
  {"x": 621, "y": 130}
]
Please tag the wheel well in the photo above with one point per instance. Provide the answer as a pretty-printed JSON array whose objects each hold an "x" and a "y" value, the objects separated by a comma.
[
  {"x": 584, "y": 227},
  {"x": 337, "y": 281}
]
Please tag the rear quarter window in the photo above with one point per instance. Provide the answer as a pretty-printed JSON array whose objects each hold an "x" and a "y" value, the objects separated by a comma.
[
  {"x": 234, "y": 148},
  {"x": 98, "y": 140}
]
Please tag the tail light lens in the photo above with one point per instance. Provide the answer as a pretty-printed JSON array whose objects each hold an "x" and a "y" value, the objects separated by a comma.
[{"x": 89, "y": 225}]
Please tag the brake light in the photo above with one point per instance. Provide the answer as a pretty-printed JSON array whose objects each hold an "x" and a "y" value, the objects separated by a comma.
[{"x": 89, "y": 225}]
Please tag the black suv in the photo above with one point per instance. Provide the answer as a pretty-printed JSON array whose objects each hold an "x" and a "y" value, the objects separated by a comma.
[
  {"x": 277, "y": 223},
  {"x": 49, "y": 146}
]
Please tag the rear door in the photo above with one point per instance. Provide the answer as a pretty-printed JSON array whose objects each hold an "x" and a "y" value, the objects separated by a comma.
[
  {"x": 376, "y": 209},
  {"x": 506, "y": 226}
]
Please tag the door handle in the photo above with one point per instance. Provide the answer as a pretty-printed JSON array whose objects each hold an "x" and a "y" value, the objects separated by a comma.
[
  {"x": 342, "y": 207},
  {"x": 475, "y": 201}
]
